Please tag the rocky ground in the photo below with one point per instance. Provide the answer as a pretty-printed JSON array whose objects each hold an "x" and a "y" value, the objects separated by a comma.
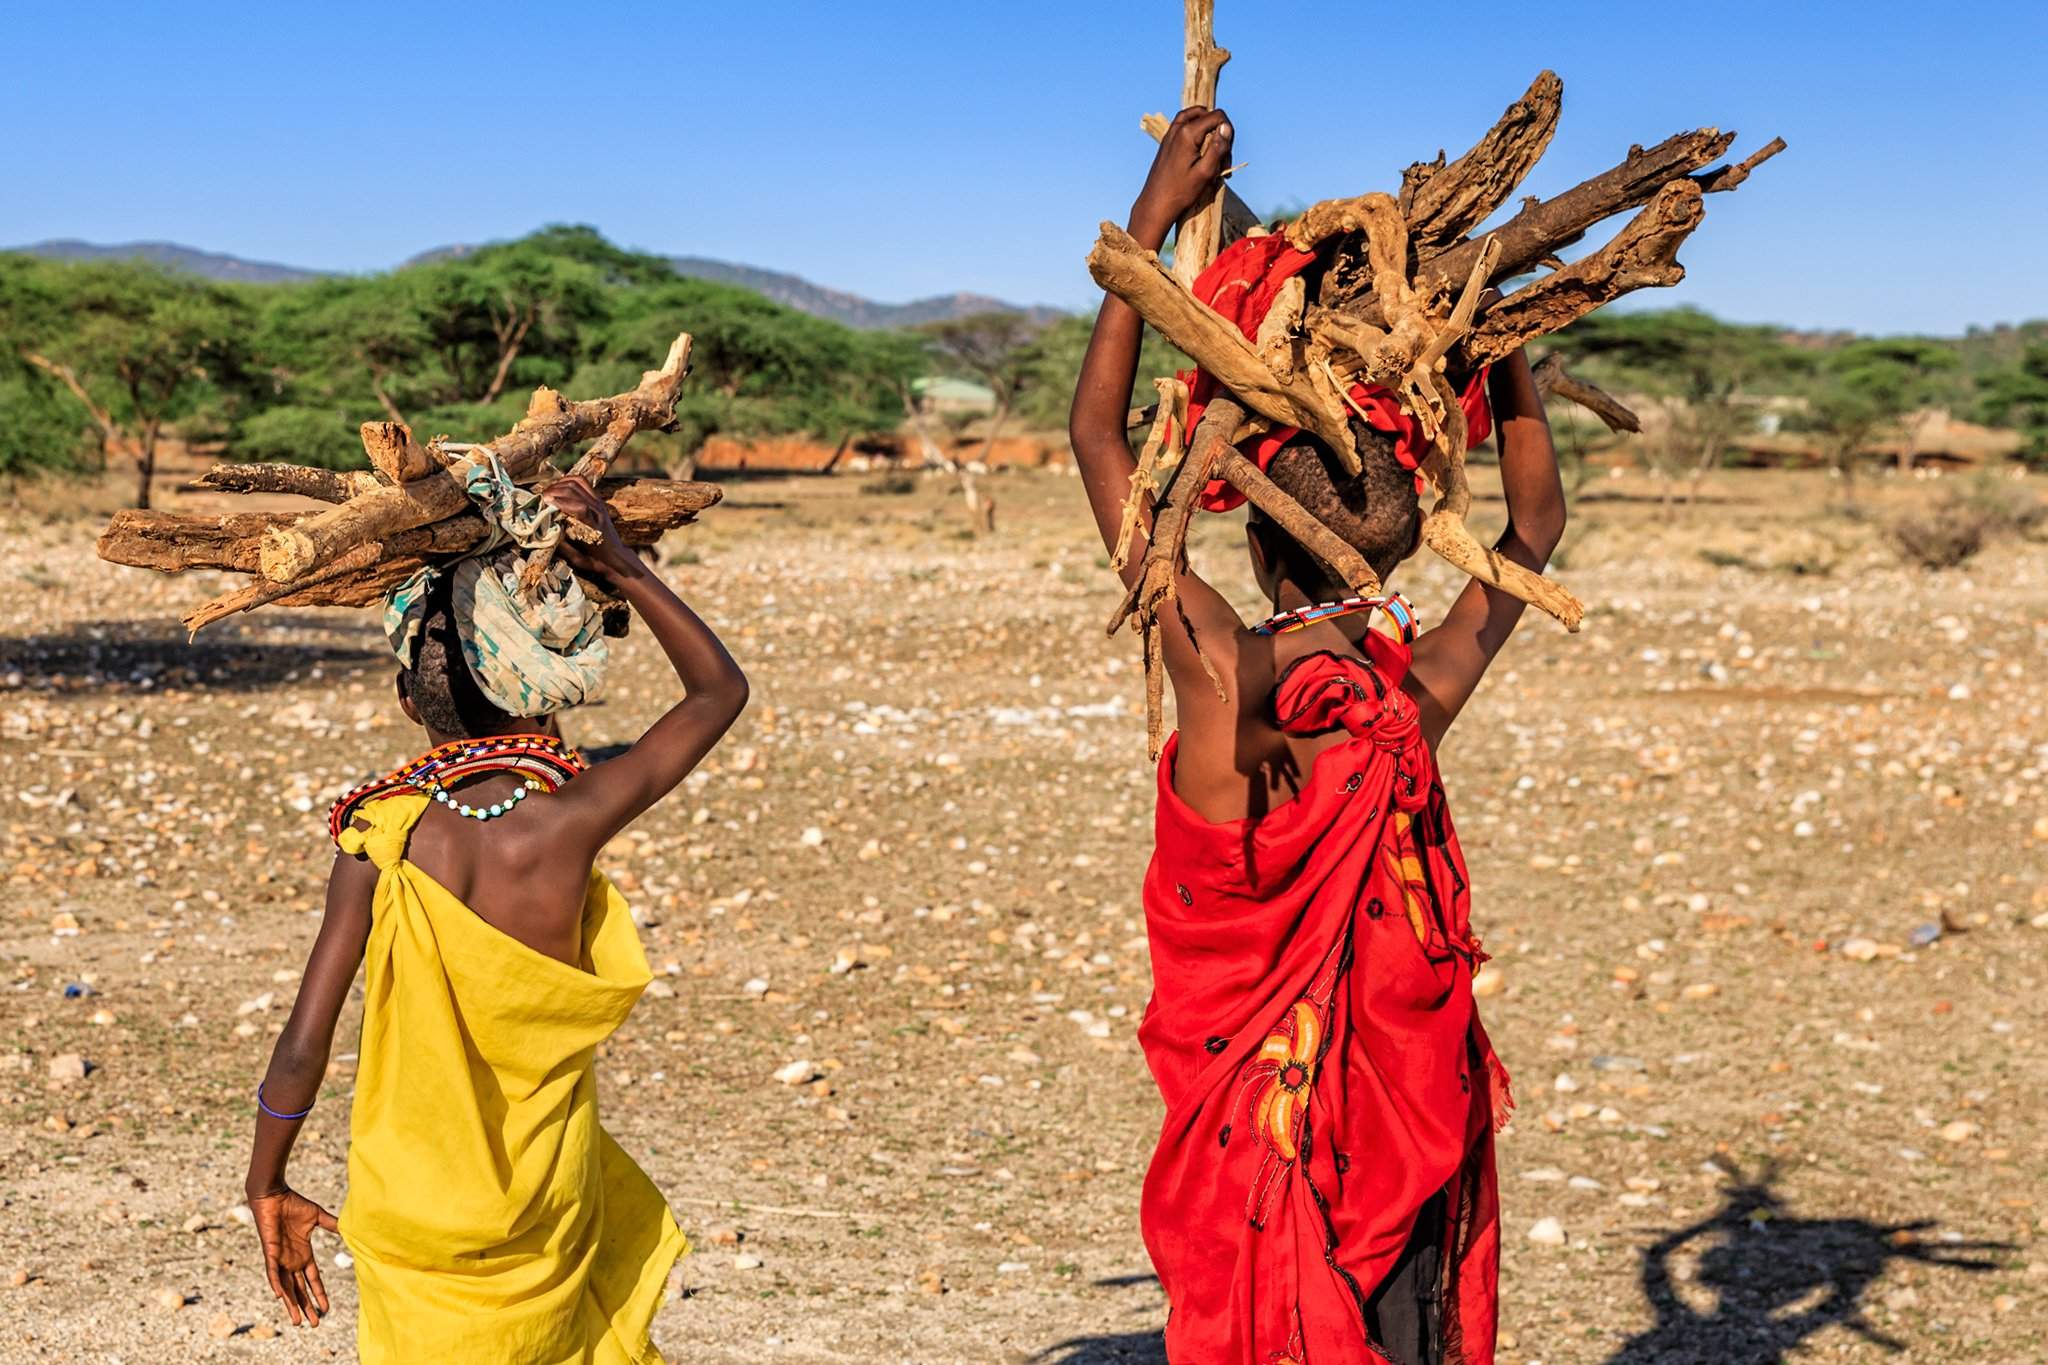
[{"x": 1759, "y": 855}]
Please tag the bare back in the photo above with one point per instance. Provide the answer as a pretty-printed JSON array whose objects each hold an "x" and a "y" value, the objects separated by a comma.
[
  {"x": 514, "y": 872},
  {"x": 1234, "y": 761}
]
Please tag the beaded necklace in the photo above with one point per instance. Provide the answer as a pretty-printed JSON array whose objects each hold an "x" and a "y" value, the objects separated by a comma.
[
  {"x": 1398, "y": 609},
  {"x": 544, "y": 762}
]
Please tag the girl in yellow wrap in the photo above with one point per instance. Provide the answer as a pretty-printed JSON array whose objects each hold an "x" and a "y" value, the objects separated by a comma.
[{"x": 489, "y": 1216}]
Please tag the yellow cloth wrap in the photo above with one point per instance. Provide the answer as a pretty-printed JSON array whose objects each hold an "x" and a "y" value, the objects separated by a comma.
[{"x": 490, "y": 1218}]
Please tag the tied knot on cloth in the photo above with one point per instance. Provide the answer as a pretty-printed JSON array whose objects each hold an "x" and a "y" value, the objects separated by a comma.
[
  {"x": 1242, "y": 284},
  {"x": 1324, "y": 692},
  {"x": 532, "y": 637}
]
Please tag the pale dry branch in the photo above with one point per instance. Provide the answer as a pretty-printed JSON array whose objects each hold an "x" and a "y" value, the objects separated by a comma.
[
  {"x": 1135, "y": 275},
  {"x": 292, "y": 552},
  {"x": 1200, "y": 234},
  {"x": 1552, "y": 379}
]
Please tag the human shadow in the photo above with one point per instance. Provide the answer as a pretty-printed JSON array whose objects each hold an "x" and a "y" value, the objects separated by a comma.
[
  {"x": 1773, "y": 1279},
  {"x": 1116, "y": 1348},
  {"x": 1113, "y": 1348},
  {"x": 143, "y": 656}
]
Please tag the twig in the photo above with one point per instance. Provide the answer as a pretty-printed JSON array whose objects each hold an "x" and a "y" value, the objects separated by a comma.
[{"x": 1200, "y": 234}]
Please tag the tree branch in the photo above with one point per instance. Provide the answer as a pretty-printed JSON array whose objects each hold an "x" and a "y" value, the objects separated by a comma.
[
  {"x": 1200, "y": 234},
  {"x": 1135, "y": 275},
  {"x": 292, "y": 552}
]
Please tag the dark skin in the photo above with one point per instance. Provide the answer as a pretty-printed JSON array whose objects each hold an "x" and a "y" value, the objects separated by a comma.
[
  {"x": 526, "y": 874},
  {"x": 1233, "y": 762}
]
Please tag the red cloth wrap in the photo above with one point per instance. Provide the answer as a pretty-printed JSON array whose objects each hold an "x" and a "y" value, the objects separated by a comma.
[
  {"x": 1241, "y": 284},
  {"x": 1313, "y": 1034}
]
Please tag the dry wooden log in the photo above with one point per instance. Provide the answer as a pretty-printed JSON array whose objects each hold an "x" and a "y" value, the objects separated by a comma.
[
  {"x": 394, "y": 455},
  {"x": 1166, "y": 559},
  {"x": 1728, "y": 177},
  {"x": 1542, "y": 229},
  {"x": 1643, "y": 255},
  {"x": 292, "y": 552},
  {"x": 327, "y": 485},
  {"x": 1170, "y": 416},
  {"x": 352, "y": 580},
  {"x": 1135, "y": 275},
  {"x": 1239, "y": 218},
  {"x": 642, "y": 510},
  {"x": 1200, "y": 234},
  {"x": 1318, "y": 539},
  {"x": 1553, "y": 380},
  {"x": 1443, "y": 203},
  {"x": 1448, "y": 536},
  {"x": 170, "y": 542}
]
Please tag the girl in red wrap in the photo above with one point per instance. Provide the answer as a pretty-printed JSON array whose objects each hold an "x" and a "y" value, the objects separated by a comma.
[{"x": 1323, "y": 1191}]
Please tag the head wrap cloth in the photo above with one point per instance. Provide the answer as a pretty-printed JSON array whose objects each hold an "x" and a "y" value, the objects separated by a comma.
[
  {"x": 1241, "y": 284},
  {"x": 530, "y": 655}
]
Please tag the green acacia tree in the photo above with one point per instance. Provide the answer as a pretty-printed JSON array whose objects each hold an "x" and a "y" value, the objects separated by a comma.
[
  {"x": 1868, "y": 388},
  {"x": 2017, "y": 396},
  {"x": 994, "y": 348},
  {"x": 1711, "y": 371},
  {"x": 140, "y": 348}
]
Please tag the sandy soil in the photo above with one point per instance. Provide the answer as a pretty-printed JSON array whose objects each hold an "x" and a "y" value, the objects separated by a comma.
[{"x": 1759, "y": 854}]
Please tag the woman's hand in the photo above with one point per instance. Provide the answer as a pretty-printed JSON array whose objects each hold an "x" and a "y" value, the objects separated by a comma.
[
  {"x": 284, "y": 1223},
  {"x": 611, "y": 559},
  {"x": 1191, "y": 159}
]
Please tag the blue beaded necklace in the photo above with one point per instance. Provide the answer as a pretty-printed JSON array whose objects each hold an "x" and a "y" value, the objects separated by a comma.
[
  {"x": 429, "y": 786},
  {"x": 541, "y": 762}
]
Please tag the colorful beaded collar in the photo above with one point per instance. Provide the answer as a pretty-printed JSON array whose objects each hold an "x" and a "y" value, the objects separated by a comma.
[
  {"x": 544, "y": 761},
  {"x": 1398, "y": 609}
]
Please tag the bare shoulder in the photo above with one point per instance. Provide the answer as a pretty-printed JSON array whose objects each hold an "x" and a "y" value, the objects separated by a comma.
[{"x": 1226, "y": 719}]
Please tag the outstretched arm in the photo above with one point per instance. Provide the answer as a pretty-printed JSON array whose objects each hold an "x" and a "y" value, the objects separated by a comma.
[
  {"x": 1450, "y": 659},
  {"x": 284, "y": 1218},
  {"x": 612, "y": 795},
  {"x": 1191, "y": 157}
]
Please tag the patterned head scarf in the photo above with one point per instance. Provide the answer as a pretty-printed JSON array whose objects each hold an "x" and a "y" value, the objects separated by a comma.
[{"x": 532, "y": 654}]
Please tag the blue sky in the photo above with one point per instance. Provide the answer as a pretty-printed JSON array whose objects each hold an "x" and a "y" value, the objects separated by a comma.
[{"x": 898, "y": 150}]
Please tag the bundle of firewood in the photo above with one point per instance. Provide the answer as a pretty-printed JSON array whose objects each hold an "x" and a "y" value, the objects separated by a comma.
[
  {"x": 1399, "y": 305},
  {"x": 410, "y": 507}
]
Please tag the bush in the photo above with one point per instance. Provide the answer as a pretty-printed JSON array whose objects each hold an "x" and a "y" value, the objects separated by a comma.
[
  {"x": 1942, "y": 537},
  {"x": 318, "y": 436},
  {"x": 40, "y": 430}
]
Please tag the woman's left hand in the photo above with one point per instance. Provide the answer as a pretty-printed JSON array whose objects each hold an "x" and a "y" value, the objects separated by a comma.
[{"x": 284, "y": 1223}]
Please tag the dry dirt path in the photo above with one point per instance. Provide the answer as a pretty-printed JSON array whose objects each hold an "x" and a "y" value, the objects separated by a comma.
[{"x": 1759, "y": 855}]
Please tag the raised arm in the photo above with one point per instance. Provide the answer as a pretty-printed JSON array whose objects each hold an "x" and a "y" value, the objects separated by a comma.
[
  {"x": 1191, "y": 157},
  {"x": 1450, "y": 659},
  {"x": 1187, "y": 165},
  {"x": 609, "y": 797},
  {"x": 284, "y": 1218}
]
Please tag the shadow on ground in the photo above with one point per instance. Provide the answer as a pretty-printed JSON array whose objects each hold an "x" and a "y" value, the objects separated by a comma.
[
  {"x": 1746, "y": 1285},
  {"x": 119, "y": 656},
  {"x": 1750, "y": 1283},
  {"x": 1123, "y": 1348},
  {"x": 1116, "y": 1348}
]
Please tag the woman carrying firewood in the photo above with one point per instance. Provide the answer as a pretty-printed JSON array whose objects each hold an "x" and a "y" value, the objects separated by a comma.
[
  {"x": 1323, "y": 1189},
  {"x": 490, "y": 1217}
]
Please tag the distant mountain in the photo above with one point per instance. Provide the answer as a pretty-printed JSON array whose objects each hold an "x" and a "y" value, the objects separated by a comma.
[
  {"x": 796, "y": 292},
  {"x": 851, "y": 309},
  {"x": 790, "y": 290},
  {"x": 171, "y": 256}
]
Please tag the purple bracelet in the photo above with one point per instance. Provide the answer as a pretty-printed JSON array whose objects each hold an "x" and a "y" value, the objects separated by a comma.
[{"x": 274, "y": 1114}]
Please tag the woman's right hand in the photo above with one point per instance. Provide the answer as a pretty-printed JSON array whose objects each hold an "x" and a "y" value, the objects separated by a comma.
[
  {"x": 1191, "y": 158},
  {"x": 284, "y": 1224},
  {"x": 611, "y": 558}
]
